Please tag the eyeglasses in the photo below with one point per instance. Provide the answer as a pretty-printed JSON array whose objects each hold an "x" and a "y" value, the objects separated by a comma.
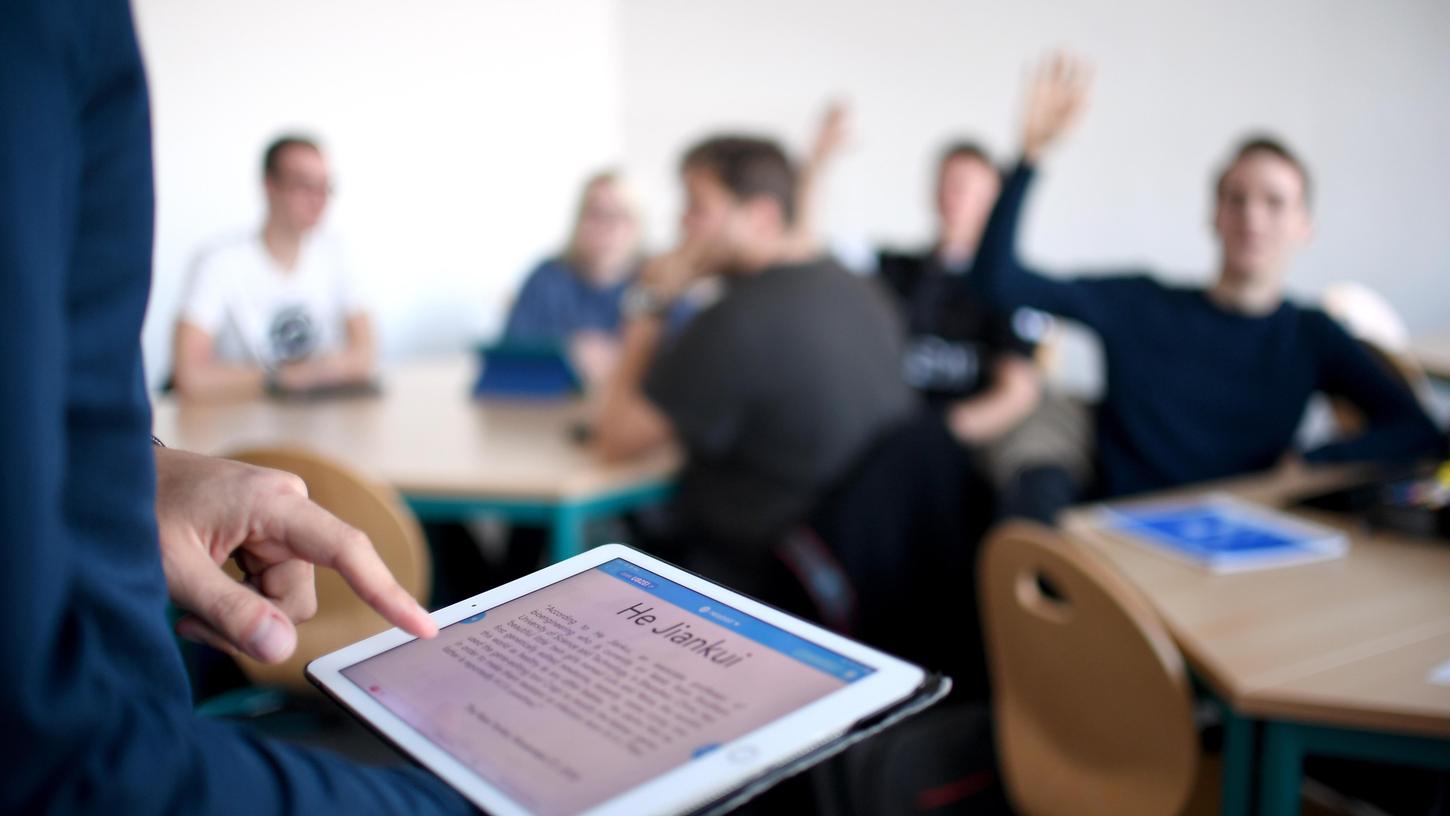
[
  {"x": 606, "y": 215},
  {"x": 292, "y": 184}
]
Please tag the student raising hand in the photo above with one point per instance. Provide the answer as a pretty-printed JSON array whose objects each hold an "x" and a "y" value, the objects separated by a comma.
[
  {"x": 832, "y": 133},
  {"x": 1058, "y": 93}
]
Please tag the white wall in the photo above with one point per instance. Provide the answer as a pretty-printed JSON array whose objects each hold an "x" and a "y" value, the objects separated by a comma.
[
  {"x": 1359, "y": 88},
  {"x": 460, "y": 129},
  {"x": 459, "y": 132}
]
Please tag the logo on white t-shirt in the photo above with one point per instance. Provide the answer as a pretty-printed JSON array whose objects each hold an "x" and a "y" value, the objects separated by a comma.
[{"x": 293, "y": 334}]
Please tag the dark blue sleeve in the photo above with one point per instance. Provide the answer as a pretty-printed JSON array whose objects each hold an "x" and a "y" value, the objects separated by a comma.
[
  {"x": 1396, "y": 426},
  {"x": 90, "y": 713},
  {"x": 537, "y": 315},
  {"x": 1002, "y": 278}
]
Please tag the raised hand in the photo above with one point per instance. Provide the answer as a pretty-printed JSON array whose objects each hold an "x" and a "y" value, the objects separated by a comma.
[
  {"x": 832, "y": 133},
  {"x": 1058, "y": 93}
]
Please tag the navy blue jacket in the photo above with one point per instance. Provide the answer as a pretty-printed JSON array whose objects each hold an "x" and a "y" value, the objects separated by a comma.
[
  {"x": 94, "y": 704},
  {"x": 1195, "y": 392}
]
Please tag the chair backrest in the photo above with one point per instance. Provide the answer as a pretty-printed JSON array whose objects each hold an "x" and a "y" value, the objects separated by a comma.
[
  {"x": 377, "y": 511},
  {"x": 1092, "y": 704}
]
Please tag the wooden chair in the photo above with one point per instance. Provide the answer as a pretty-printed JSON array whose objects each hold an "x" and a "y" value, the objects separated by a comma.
[
  {"x": 1092, "y": 704},
  {"x": 342, "y": 618}
]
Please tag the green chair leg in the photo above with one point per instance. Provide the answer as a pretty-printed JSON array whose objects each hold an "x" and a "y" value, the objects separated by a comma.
[
  {"x": 567, "y": 534},
  {"x": 1283, "y": 770},
  {"x": 1238, "y": 764}
]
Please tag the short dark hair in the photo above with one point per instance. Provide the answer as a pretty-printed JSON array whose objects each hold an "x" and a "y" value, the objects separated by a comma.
[
  {"x": 1263, "y": 143},
  {"x": 963, "y": 149},
  {"x": 272, "y": 158},
  {"x": 749, "y": 167}
]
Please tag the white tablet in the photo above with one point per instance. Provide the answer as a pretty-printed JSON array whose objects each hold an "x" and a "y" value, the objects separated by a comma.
[{"x": 611, "y": 683}]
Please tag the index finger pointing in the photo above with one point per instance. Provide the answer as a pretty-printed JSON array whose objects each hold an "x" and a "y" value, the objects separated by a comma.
[{"x": 316, "y": 535}]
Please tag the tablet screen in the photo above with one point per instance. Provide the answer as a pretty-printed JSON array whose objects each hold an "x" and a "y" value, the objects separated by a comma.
[{"x": 581, "y": 690}]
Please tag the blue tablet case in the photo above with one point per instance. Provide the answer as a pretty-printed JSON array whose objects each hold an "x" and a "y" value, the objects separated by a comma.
[
  {"x": 1227, "y": 535},
  {"x": 520, "y": 371}
]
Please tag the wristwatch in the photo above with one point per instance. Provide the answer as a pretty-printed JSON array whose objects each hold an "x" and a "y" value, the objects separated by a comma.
[{"x": 641, "y": 301}]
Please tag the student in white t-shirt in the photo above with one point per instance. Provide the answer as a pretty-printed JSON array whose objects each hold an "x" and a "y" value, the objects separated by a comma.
[{"x": 275, "y": 308}]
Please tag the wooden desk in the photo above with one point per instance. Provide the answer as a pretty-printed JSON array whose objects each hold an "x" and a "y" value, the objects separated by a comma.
[
  {"x": 449, "y": 456},
  {"x": 1332, "y": 656},
  {"x": 1433, "y": 354}
]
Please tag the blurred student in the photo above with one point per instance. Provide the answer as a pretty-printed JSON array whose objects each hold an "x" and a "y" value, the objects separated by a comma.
[
  {"x": 1204, "y": 382},
  {"x": 774, "y": 390},
  {"x": 277, "y": 308},
  {"x": 573, "y": 300},
  {"x": 971, "y": 361}
]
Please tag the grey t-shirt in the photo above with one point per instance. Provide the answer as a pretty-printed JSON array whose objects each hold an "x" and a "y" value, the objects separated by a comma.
[{"x": 775, "y": 391}]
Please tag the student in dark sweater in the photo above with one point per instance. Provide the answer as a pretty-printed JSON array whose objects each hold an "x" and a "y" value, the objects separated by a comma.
[{"x": 1204, "y": 383}]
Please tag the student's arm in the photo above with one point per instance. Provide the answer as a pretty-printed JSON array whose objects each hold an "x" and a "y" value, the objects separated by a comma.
[
  {"x": 1013, "y": 394},
  {"x": 197, "y": 373},
  {"x": 1055, "y": 99},
  {"x": 360, "y": 354},
  {"x": 1396, "y": 427},
  {"x": 353, "y": 364},
  {"x": 78, "y": 737},
  {"x": 627, "y": 424},
  {"x": 829, "y": 139}
]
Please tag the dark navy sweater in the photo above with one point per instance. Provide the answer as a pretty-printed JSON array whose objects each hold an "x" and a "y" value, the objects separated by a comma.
[
  {"x": 1195, "y": 392},
  {"x": 94, "y": 703}
]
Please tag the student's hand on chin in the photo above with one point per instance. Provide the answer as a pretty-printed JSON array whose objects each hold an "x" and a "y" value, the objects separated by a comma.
[
  {"x": 209, "y": 510},
  {"x": 670, "y": 274},
  {"x": 594, "y": 354}
]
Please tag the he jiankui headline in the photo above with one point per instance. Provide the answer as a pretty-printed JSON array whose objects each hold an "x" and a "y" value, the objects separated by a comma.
[{"x": 680, "y": 634}]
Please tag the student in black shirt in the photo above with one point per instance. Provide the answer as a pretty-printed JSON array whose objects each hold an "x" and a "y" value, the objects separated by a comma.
[
  {"x": 777, "y": 389},
  {"x": 967, "y": 357},
  {"x": 972, "y": 361}
]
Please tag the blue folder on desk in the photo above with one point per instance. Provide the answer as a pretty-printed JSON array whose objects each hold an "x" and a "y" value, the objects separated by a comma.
[
  {"x": 525, "y": 371},
  {"x": 1224, "y": 534}
]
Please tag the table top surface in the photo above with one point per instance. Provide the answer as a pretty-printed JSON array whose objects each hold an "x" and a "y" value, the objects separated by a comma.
[
  {"x": 424, "y": 436},
  {"x": 1348, "y": 642}
]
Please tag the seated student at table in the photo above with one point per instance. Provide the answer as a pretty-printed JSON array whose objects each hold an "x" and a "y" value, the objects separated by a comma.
[
  {"x": 276, "y": 307},
  {"x": 775, "y": 389},
  {"x": 970, "y": 360},
  {"x": 573, "y": 300},
  {"x": 1204, "y": 382}
]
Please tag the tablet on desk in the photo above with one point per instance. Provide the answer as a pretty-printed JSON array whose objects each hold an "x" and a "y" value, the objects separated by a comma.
[
  {"x": 1225, "y": 534},
  {"x": 525, "y": 371},
  {"x": 615, "y": 683}
]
